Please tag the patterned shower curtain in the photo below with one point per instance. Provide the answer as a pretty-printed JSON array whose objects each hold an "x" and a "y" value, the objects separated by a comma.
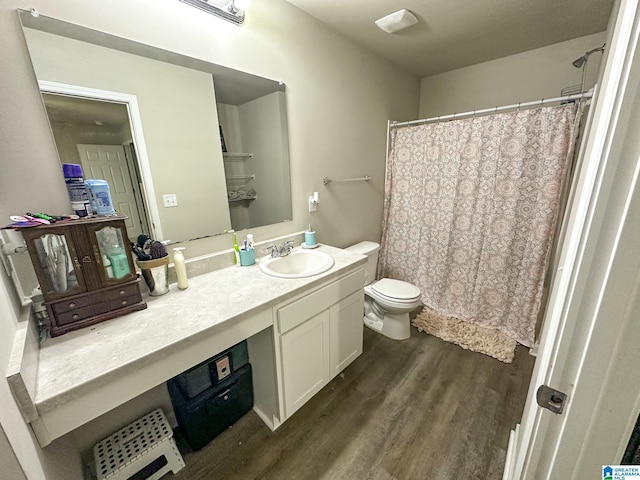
[{"x": 469, "y": 213}]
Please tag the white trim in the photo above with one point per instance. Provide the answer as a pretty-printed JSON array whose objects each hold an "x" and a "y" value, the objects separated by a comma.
[
  {"x": 512, "y": 450},
  {"x": 131, "y": 101}
]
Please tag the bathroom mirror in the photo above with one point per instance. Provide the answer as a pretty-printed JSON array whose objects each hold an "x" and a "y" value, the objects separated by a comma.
[{"x": 204, "y": 147}]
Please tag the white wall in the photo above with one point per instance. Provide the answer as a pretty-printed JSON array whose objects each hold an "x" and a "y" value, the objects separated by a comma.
[
  {"x": 529, "y": 76},
  {"x": 10, "y": 465},
  {"x": 60, "y": 461},
  {"x": 339, "y": 98},
  {"x": 262, "y": 123}
]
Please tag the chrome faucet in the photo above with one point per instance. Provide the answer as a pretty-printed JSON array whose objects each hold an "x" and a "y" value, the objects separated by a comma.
[{"x": 281, "y": 251}]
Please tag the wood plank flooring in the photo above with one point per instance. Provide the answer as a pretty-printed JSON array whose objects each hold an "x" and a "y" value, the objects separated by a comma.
[{"x": 416, "y": 409}]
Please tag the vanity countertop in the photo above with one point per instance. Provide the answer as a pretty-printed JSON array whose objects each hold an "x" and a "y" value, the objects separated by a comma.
[{"x": 82, "y": 361}]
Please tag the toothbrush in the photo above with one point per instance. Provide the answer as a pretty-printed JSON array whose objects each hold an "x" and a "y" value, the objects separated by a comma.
[{"x": 236, "y": 250}]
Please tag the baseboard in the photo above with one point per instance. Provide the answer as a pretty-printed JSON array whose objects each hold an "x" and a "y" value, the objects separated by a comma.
[
  {"x": 512, "y": 451},
  {"x": 271, "y": 422}
]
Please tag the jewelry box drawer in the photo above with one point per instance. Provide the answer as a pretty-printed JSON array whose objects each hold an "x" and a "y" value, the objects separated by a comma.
[
  {"x": 123, "y": 302},
  {"x": 74, "y": 315},
  {"x": 121, "y": 292},
  {"x": 70, "y": 305}
]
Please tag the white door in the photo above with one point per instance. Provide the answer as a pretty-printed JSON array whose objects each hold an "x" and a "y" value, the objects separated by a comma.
[
  {"x": 108, "y": 162},
  {"x": 588, "y": 346}
]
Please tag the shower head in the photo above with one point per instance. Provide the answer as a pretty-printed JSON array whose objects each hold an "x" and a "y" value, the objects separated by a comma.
[{"x": 579, "y": 62}]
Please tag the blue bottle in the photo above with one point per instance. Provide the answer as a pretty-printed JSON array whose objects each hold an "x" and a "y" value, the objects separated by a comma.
[{"x": 100, "y": 197}]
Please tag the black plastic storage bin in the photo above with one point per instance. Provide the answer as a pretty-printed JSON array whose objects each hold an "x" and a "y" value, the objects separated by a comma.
[
  {"x": 213, "y": 371},
  {"x": 211, "y": 412}
]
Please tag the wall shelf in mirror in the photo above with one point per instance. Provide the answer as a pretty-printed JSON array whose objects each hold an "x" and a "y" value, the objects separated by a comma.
[
  {"x": 240, "y": 178},
  {"x": 247, "y": 200},
  {"x": 236, "y": 156}
]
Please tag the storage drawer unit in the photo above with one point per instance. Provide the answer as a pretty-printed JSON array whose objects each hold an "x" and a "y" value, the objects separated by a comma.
[
  {"x": 211, "y": 412},
  {"x": 212, "y": 371}
]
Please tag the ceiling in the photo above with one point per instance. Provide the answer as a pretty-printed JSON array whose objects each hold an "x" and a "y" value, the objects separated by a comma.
[
  {"x": 84, "y": 111},
  {"x": 452, "y": 34}
]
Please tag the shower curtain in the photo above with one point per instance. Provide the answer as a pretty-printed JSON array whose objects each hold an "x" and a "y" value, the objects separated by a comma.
[{"x": 469, "y": 213}]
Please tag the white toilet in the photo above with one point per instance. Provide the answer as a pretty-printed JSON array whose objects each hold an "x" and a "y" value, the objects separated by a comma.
[{"x": 387, "y": 302}]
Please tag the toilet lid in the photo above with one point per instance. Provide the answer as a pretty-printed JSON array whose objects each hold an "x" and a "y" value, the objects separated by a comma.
[{"x": 396, "y": 289}]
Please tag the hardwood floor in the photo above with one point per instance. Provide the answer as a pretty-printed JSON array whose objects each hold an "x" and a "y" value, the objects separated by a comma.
[{"x": 416, "y": 409}]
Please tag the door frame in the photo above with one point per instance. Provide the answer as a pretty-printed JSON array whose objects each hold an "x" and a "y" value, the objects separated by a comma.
[
  {"x": 135, "y": 120},
  {"x": 566, "y": 342}
]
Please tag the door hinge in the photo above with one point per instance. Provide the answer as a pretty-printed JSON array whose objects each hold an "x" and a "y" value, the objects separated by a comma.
[{"x": 551, "y": 399}]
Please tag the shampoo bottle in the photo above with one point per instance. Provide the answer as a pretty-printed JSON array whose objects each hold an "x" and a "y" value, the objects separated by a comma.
[{"x": 180, "y": 268}]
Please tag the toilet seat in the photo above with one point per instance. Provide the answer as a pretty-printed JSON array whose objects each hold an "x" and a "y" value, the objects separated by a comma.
[
  {"x": 394, "y": 295},
  {"x": 396, "y": 290}
]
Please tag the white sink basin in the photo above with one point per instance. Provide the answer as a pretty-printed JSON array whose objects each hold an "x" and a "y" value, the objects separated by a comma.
[{"x": 298, "y": 264}]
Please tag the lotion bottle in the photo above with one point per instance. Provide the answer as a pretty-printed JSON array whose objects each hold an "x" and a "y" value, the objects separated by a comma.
[{"x": 180, "y": 268}]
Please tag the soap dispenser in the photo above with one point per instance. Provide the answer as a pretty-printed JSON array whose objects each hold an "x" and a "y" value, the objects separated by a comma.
[
  {"x": 310, "y": 239},
  {"x": 180, "y": 268}
]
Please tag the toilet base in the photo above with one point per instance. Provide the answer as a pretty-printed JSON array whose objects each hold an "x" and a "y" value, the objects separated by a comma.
[{"x": 395, "y": 326}]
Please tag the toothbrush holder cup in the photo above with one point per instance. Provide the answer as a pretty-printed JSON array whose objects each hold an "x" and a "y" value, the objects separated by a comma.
[{"x": 247, "y": 257}]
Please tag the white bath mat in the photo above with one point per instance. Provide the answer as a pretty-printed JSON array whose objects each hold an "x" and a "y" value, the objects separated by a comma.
[{"x": 469, "y": 336}]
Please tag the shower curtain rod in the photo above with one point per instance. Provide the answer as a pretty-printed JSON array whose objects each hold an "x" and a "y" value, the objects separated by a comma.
[{"x": 537, "y": 103}]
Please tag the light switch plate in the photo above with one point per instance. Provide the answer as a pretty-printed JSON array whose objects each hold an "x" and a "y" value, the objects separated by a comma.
[
  {"x": 312, "y": 204},
  {"x": 170, "y": 200}
]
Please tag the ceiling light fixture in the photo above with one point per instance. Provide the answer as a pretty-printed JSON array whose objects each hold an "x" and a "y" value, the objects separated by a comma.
[
  {"x": 226, "y": 9},
  {"x": 396, "y": 21}
]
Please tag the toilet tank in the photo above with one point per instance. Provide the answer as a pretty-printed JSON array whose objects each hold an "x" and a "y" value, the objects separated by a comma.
[{"x": 370, "y": 249}]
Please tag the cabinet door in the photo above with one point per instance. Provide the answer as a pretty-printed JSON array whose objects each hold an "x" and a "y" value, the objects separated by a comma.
[
  {"x": 56, "y": 262},
  {"x": 346, "y": 331},
  {"x": 305, "y": 361},
  {"x": 111, "y": 251}
]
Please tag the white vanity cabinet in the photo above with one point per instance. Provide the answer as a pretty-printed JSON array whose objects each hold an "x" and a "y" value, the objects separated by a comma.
[
  {"x": 345, "y": 332},
  {"x": 318, "y": 335},
  {"x": 305, "y": 361}
]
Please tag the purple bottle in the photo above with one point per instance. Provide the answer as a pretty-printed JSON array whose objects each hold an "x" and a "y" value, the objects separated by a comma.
[{"x": 76, "y": 189}]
